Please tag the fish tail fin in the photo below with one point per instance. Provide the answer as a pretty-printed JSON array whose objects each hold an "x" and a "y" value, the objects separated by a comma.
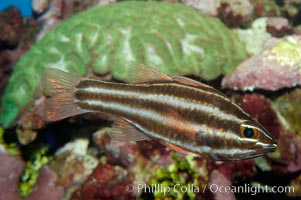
[{"x": 61, "y": 87}]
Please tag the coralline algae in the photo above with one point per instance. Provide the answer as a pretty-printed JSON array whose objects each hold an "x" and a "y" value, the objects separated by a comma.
[
  {"x": 278, "y": 66},
  {"x": 171, "y": 37}
]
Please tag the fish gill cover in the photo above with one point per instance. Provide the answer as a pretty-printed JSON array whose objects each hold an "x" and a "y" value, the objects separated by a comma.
[{"x": 173, "y": 38}]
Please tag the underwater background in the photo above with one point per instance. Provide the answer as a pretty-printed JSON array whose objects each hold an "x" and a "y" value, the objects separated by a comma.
[
  {"x": 23, "y": 5},
  {"x": 250, "y": 50}
]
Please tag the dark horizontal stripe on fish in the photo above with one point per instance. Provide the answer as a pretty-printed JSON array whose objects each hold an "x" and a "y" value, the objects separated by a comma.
[
  {"x": 173, "y": 90},
  {"x": 209, "y": 94},
  {"x": 142, "y": 102},
  {"x": 175, "y": 102},
  {"x": 149, "y": 118},
  {"x": 176, "y": 87},
  {"x": 156, "y": 109},
  {"x": 160, "y": 131}
]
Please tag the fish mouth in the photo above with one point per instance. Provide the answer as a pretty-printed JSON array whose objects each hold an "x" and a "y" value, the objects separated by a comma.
[{"x": 269, "y": 148}]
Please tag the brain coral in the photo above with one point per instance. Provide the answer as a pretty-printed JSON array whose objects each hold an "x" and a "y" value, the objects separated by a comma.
[{"x": 171, "y": 37}]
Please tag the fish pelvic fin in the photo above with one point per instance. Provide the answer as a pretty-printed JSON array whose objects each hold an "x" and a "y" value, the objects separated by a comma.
[{"x": 60, "y": 86}]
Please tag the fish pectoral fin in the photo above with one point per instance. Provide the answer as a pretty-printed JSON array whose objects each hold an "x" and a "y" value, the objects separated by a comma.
[
  {"x": 124, "y": 130},
  {"x": 60, "y": 86},
  {"x": 140, "y": 73},
  {"x": 178, "y": 148}
]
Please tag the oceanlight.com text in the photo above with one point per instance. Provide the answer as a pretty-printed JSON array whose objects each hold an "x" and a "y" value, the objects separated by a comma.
[{"x": 213, "y": 188}]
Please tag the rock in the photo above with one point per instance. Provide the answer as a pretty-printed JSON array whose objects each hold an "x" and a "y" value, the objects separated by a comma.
[
  {"x": 10, "y": 170},
  {"x": 288, "y": 109},
  {"x": 106, "y": 182},
  {"x": 278, "y": 66},
  {"x": 10, "y": 26},
  {"x": 255, "y": 36},
  {"x": 218, "y": 180},
  {"x": 46, "y": 187},
  {"x": 232, "y": 12},
  {"x": 279, "y": 26}
]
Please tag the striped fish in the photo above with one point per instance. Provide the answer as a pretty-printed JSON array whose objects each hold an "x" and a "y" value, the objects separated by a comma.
[{"x": 181, "y": 113}]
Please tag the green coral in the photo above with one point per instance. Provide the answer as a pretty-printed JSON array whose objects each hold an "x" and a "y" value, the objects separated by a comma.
[
  {"x": 37, "y": 160},
  {"x": 288, "y": 109},
  {"x": 172, "y": 37},
  {"x": 180, "y": 172}
]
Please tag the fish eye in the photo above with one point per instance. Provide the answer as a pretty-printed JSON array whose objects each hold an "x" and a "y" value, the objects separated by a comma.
[{"x": 248, "y": 132}]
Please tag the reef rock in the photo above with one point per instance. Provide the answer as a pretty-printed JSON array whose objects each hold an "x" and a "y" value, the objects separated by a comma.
[
  {"x": 72, "y": 165},
  {"x": 231, "y": 12},
  {"x": 288, "y": 109},
  {"x": 106, "y": 182},
  {"x": 279, "y": 26},
  {"x": 11, "y": 24},
  {"x": 45, "y": 187},
  {"x": 278, "y": 66},
  {"x": 10, "y": 170},
  {"x": 255, "y": 36}
]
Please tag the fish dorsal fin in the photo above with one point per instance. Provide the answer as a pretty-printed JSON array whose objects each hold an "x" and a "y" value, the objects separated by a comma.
[
  {"x": 188, "y": 81},
  {"x": 123, "y": 130},
  {"x": 140, "y": 73},
  {"x": 191, "y": 82}
]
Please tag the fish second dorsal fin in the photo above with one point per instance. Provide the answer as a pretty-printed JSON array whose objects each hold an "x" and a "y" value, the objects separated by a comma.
[
  {"x": 140, "y": 73},
  {"x": 188, "y": 81},
  {"x": 191, "y": 82},
  {"x": 123, "y": 130}
]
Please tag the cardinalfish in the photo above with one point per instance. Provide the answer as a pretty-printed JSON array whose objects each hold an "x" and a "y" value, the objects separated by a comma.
[{"x": 181, "y": 113}]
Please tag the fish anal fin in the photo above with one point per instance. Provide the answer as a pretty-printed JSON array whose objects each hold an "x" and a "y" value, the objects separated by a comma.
[
  {"x": 123, "y": 130},
  {"x": 60, "y": 86},
  {"x": 177, "y": 148},
  {"x": 140, "y": 73}
]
